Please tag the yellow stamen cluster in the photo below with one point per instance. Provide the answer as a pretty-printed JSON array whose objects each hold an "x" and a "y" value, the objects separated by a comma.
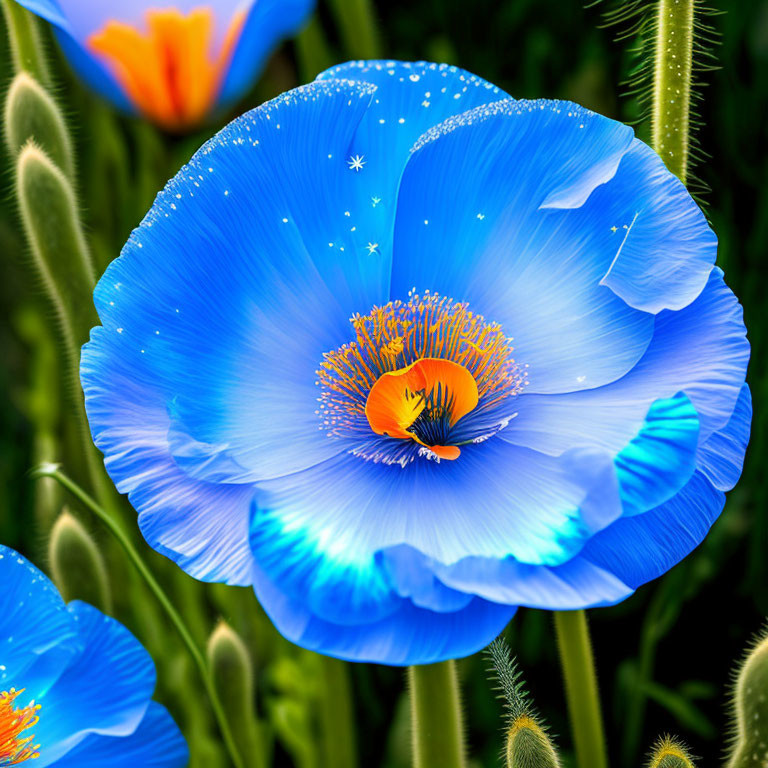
[
  {"x": 15, "y": 748},
  {"x": 397, "y": 334}
]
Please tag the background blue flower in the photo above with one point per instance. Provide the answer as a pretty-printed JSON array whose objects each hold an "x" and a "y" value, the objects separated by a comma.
[
  {"x": 556, "y": 223},
  {"x": 91, "y": 678},
  {"x": 242, "y": 35}
]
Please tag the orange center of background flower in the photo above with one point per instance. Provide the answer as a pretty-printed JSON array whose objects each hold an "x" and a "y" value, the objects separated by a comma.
[
  {"x": 15, "y": 747},
  {"x": 171, "y": 72}
]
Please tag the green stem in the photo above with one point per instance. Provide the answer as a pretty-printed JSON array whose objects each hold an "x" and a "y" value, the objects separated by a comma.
[
  {"x": 436, "y": 720},
  {"x": 673, "y": 67},
  {"x": 337, "y": 715},
  {"x": 357, "y": 24},
  {"x": 578, "y": 666},
  {"x": 133, "y": 555},
  {"x": 24, "y": 36},
  {"x": 312, "y": 50}
]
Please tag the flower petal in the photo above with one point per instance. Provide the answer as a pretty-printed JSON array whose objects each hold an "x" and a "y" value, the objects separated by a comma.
[
  {"x": 410, "y": 636},
  {"x": 267, "y": 24},
  {"x": 37, "y": 633},
  {"x": 701, "y": 350},
  {"x": 105, "y": 690},
  {"x": 721, "y": 456},
  {"x": 156, "y": 743},
  {"x": 484, "y": 216},
  {"x": 411, "y": 98},
  {"x": 318, "y": 534},
  {"x": 640, "y": 548}
]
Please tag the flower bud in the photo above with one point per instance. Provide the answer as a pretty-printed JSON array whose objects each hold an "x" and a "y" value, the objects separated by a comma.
[
  {"x": 31, "y": 114},
  {"x": 750, "y": 707},
  {"x": 232, "y": 674},
  {"x": 76, "y": 564}
]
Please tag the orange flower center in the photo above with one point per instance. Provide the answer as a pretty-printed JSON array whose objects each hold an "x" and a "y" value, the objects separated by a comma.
[
  {"x": 15, "y": 747},
  {"x": 428, "y": 371},
  {"x": 171, "y": 72}
]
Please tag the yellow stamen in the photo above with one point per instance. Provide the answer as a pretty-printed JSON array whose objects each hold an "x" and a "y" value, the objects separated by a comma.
[
  {"x": 14, "y": 747},
  {"x": 170, "y": 71}
]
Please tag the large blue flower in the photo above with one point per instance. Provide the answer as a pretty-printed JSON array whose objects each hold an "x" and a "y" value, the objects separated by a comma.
[
  {"x": 405, "y": 353},
  {"x": 172, "y": 62},
  {"x": 75, "y": 685}
]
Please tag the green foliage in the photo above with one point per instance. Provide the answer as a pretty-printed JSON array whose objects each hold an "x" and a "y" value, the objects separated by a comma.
[{"x": 77, "y": 566}]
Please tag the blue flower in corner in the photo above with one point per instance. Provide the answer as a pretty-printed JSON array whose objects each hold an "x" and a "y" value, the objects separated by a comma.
[
  {"x": 404, "y": 353},
  {"x": 75, "y": 685},
  {"x": 172, "y": 62}
]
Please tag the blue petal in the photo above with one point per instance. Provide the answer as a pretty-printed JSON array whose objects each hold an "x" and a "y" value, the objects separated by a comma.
[
  {"x": 412, "y": 576},
  {"x": 267, "y": 24},
  {"x": 667, "y": 250},
  {"x": 225, "y": 299},
  {"x": 701, "y": 350},
  {"x": 37, "y": 634},
  {"x": 156, "y": 743},
  {"x": 721, "y": 456},
  {"x": 484, "y": 216},
  {"x": 411, "y": 98},
  {"x": 46, "y": 9},
  {"x": 324, "y": 536},
  {"x": 651, "y": 468},
  {"x": 93, "y": 72},
  {"x": 640, "y": 548},
  {"x": 661, "y": 459},
  {"x": 410, "y": 636},
  {"x": 570, "y": 586},
  {"x": 105, "y": 690}
]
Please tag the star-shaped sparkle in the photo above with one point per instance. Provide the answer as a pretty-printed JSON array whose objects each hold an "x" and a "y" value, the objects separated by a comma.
[
  {"x": 356, "y": 163},
  {"x": 372, "y": 248}
]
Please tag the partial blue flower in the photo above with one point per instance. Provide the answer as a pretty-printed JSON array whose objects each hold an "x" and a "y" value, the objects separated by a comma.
[
  {"x": 404, "y": 353},
  {"x": 75, "y": 685},
  {"x": 176, "y": 62}
]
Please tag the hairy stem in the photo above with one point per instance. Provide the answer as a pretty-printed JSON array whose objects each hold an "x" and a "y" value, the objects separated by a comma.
[
  {"x": 578, "y": 666},
  {"x": 673, "y": 67},
  {"x": 436, "y": 721}
]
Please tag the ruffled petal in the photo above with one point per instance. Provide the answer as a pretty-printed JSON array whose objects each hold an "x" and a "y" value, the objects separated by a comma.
[
  {"x": 641, "y": 548},
  {"x": 105, "y": 690},
  {"x": 570, "y": 586},
  {"x": 37, "y": 634},
  {"x": 325, "y": 536},
  {"x": 721, "y": 456},
  {"x": 700, "y": 350},
  {"x": 510, "y": 208},
  {"x": 667, "y": 249},
  {"x": 409, "y": 636},
  {"x": 156, "y": 743},
  {"x": 660, "y": 460}
]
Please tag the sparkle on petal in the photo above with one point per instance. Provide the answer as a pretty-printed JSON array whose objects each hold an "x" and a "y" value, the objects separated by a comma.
[{"x": 356, "y": 162}]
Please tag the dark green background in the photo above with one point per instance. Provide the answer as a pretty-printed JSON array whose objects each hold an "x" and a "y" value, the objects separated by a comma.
[{"x": 666, "y": 654}]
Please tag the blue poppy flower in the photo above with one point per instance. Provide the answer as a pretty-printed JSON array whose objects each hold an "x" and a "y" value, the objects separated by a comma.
[
  {"x": 75, "y": 685},
  {"x": 404, "y": 353},
  {"x": 171, "y": 62}
]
